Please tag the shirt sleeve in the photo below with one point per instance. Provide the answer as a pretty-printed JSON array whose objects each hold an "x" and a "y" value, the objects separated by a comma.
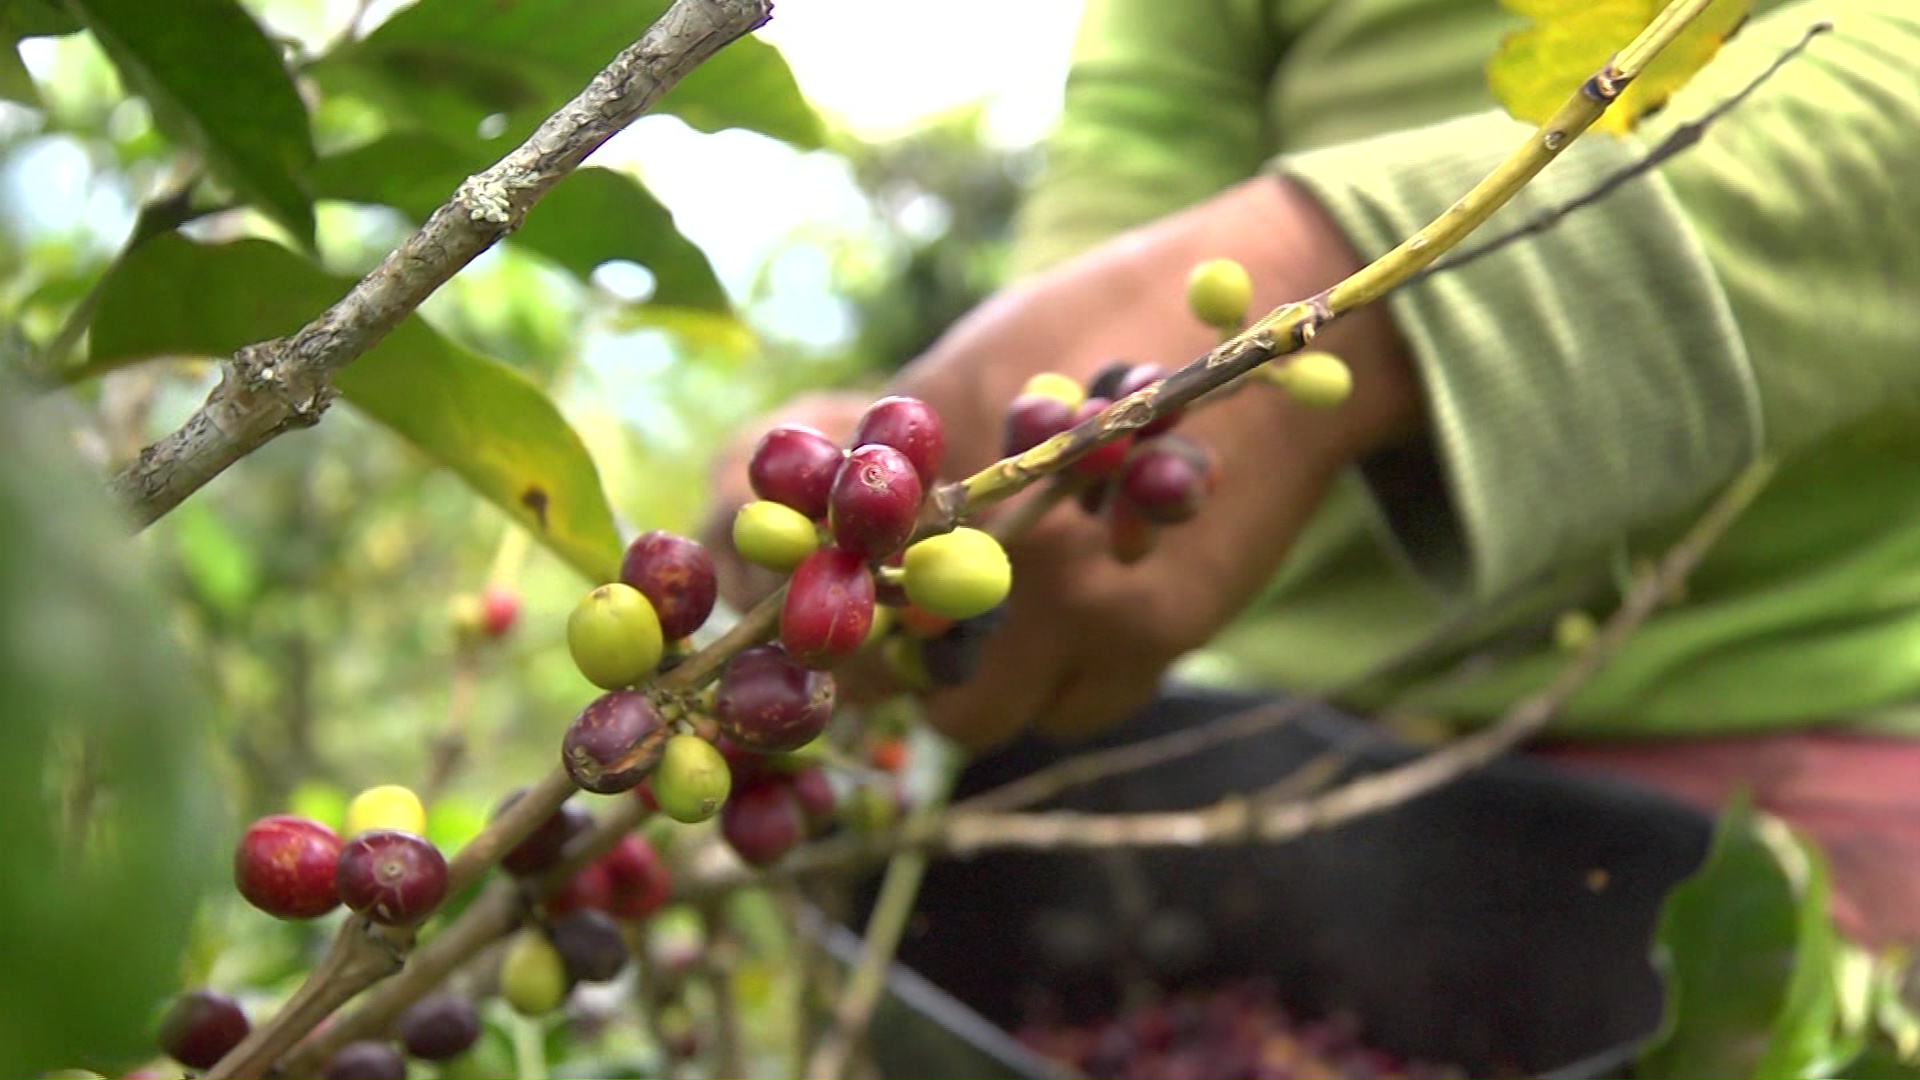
[
  {"x": 1165, "y": 106},
  {"x": 1759, "y": 292}
]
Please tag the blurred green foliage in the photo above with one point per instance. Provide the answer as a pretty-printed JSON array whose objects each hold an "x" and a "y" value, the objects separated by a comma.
[{"x": 286, "y": 638}]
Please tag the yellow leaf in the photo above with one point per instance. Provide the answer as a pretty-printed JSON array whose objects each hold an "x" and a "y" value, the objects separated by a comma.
[{"x": 1536, "y": 68}]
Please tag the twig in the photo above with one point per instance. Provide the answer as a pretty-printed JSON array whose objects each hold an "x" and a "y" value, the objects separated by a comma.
[
  {"x": 529, "y": 1048},
  {"x": 361, "y": 954},
  {"x": 716, "y": 970},
  {"x": 899, "y": 892},
  {"x": 450, "y": 746},
  {"x": 1240, "y": 820},
  {"x": 1038, "y": 787},
  {"x": 1680, "y": 138},
  {"x": 275, "y": 386},
  {"x": 651, "y": 996}
]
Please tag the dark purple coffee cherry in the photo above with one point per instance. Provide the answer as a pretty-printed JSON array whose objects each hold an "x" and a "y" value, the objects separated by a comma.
[
  {"x": 367, "y": 1060},
  {"x": 605, "y": 749},
  {"x": 201, "y": 1027},
  {"x": 591, "y": 945},
  {"x": 439, "y": 1027},
  {"x": 768, "y": 703}
]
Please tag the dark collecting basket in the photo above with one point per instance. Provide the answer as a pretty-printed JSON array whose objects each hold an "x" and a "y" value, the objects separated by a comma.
[{"x": 1502, "y": 924}]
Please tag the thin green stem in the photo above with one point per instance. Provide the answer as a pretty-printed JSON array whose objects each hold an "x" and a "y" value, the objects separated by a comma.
[{"x": 530, "y": 1048}]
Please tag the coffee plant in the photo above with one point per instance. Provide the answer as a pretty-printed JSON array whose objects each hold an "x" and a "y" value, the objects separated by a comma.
[{"x": 599, "y": 913}]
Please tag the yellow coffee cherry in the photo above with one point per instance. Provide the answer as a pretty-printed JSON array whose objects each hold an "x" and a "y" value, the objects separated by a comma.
[
  {"x": 1218, "y": 292},
  {"x": 388, "y": 806},
  {"x": 958, "y": 574},
  {"x": 1316, "y": 380},
  {"x": 1061, "y": 388}
]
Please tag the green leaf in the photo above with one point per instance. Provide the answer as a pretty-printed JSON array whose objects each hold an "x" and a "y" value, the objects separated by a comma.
[
  {"x": 446, "y": 65},
  {"x": 221, "y": 567},
  {"x": 216, "y": 83},
  {"x": 97, "y": 700},
  {"x": 16, "y": 82},
  {"x": 37, "y": 18},
  {"x": 1813, "y": 1033},
  {"x": 1536, "y": 68},
  {"x": 592, "y": 217},
  {"x": 1752, "y": 961},
  {"x": 479, "y": 417},
  {"x": 1880, "y": 1062}
]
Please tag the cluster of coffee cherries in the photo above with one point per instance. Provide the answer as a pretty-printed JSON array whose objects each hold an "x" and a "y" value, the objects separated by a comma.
[
  {"x": 583, "y": 930},
  {"x": 838, "y": 521},
  {"x": 1139, "y": 483},
  {"x": 1236, "y": 1030},
  {"x": 297, "y": 868},
  {"x": 379, "y": 864}
]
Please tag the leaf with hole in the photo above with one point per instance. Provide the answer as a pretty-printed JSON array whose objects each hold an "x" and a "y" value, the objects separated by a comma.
[
  {"x": 592, "y": 217},
  {"x": 1537, "y": 67},
  {"x": 477, "y": 416},
  {"x": 216, "y": 83}
]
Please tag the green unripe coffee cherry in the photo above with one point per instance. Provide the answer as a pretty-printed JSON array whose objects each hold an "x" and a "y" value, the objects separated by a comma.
[
  {"x": 883, "y": 619},
  {"x": 533, "y": 975},
  {"x": 614, "y": 636},
  {"x": 692, "y": 781},
  {"x": 1218, "y": 292},
  {"x": 1574, "y": 631},
  {"x": 775, "y": 536},
  {"x": 870, "y": 809},
  {"x": 957, "y": 575},
  {"x": 901, "y": 654},
  {"x": 1051, "y": 384},
  {"x": 1316, "y": 380}
]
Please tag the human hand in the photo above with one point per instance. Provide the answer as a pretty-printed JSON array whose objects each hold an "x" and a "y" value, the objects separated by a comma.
[{"x": 1088, "y": 638}]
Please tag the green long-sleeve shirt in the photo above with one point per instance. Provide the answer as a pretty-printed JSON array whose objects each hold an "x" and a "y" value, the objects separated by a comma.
[{"x": 1590, "y": 389}]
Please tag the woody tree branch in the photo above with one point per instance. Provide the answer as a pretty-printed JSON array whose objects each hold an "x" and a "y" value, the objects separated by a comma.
[{"x": 276, "y": 386}]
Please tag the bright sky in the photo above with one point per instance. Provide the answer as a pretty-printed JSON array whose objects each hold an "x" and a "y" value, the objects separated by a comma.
[
  {"x": 880, "y": 66},
  {"x": 873, "y": 68}
]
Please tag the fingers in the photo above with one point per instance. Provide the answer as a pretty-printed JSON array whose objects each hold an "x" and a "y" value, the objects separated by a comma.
[
  {"x": 1026, "y": 663},
  {"x": 1088, "y": 704},
  {"x": 1019, "y": 673}
]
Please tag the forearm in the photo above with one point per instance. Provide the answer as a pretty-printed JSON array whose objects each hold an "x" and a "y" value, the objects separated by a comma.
[{"x": 1291, "y": 249}]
